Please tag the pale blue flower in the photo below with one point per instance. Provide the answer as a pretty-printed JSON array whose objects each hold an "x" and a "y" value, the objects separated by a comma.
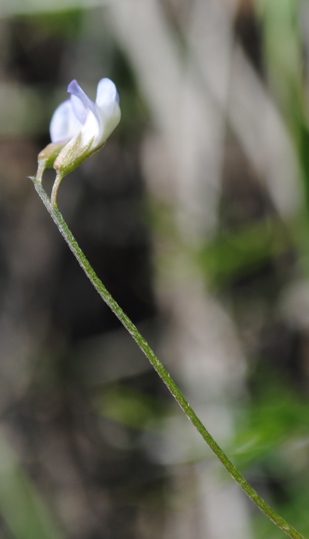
[
  {"x": 78, "y": 128},
  {"x": 93, "y": 121}
]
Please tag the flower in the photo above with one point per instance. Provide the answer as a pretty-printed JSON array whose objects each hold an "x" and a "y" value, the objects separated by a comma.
[{"x": 78, "y": 128}]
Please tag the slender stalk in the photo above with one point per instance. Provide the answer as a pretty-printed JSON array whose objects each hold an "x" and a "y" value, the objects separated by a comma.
[
  {"x": 159, "y": 367},
  {"x": 55, "y": 188}
]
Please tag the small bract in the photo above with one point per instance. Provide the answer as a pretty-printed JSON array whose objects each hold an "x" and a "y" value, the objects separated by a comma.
[{"x": 79, "y": 127}]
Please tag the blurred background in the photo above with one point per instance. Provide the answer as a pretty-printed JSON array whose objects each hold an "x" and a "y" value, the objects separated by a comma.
[{"x": 196, "y": 217}]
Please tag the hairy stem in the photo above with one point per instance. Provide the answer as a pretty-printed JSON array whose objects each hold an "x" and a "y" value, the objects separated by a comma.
[{"x": 158, "y": 366}]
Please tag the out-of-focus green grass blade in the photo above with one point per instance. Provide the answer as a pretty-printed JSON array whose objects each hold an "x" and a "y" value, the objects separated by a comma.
[
  {"x": 282, "y": 53},
  {"x": 233, "y": 253},
  {"x": 130, "y": 407},
  {"x": 271, "y": 444},
  {"x": 21, "y": 507},
  {"x": 278, "y": 416},
  {"x": 284, "y": 65},
  {"x": 27, "y": 7}
]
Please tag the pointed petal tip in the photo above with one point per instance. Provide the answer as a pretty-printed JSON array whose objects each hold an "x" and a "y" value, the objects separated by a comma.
[{"x": 72, "y": 86}]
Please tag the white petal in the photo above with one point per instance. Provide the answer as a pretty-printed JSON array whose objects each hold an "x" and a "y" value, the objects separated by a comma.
[
  {"x": 107, "y": 104},
  {"x": 64, "y": 124},
  {"x": 106, "y": 94},
  {"x": 91, "y": 131},
  {"x": 108, "y": 121}
]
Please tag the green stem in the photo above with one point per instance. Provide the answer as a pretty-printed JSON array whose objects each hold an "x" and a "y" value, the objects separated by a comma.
[
  {"x": 159, "y": 368},
  {"x": 55, "y": 188}
]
